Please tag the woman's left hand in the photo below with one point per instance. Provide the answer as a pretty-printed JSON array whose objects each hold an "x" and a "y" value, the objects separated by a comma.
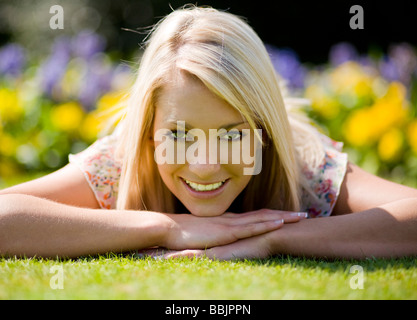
[
  {"x": 250, "y": 248},
  {"x": 257, "y": 247}
]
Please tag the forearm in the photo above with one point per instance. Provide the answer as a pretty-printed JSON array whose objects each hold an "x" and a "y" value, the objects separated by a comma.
[
  {"x": 32, "y": 226},
  {"x": 387, "y": 231}
]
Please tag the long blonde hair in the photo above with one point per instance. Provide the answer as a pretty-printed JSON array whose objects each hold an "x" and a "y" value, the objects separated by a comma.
[{"x": 227, "y": 56}]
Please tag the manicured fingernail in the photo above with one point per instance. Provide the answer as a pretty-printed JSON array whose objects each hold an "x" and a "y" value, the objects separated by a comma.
[
  {"x": 300, "y": 214},
  {"x": 279, "y": 221}
]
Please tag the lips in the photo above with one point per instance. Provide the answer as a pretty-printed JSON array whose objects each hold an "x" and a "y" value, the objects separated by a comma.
[
  {"x": 205, "y": 191},
  {"x": 204, "y": 187}
]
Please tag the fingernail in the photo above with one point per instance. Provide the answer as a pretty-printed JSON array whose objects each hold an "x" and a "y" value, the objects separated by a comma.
[
  {"x": 300, "y": 214},
  {"x": 279, "y": 221}
]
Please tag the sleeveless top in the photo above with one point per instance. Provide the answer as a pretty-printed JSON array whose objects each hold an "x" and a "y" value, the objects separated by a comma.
[{"x": 102, "y": 172}]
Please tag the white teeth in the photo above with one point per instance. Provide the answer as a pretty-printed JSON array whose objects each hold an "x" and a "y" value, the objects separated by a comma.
[{"x": 204, "y": 187}]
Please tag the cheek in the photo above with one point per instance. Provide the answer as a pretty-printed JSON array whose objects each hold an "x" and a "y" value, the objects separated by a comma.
[
  {"x": 165, "y": 161},
  {"x": 235, "y": 171},
  {"x": 167, "y": 172},
  {"x": 169, "y": 176}
]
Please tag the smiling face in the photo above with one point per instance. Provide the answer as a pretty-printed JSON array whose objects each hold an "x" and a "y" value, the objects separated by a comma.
[{"x": 205, "y": 188}]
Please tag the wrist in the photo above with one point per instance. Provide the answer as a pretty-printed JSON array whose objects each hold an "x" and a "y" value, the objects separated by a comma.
[
  {"x": 164, "y": 228},
  {"x": 275, "y": 242},
  {"x": 285, "y": 239},
  {"x": 151, "y": 229}
]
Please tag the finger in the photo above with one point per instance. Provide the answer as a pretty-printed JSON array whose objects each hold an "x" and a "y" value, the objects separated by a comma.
[
  {"x": 224, "y": 253},
  {"x": 216, "y": 253},
  {"x": 155, "y": 253},
  {"x": 264, "y": 216},
  {"x": 291, "y": 217},
  {"x": 185, "y": 254},
  {"x": 254, "y": 229},
  {"x": 213, "y": 254}
]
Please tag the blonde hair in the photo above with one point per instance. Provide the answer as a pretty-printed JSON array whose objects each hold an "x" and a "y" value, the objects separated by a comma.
[{"x": 227, "y": 56}]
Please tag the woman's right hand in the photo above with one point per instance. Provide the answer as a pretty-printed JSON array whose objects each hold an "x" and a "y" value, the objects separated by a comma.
[{"x": 186, "y": 231}]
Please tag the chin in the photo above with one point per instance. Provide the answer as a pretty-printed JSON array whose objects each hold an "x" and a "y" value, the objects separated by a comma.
[{"x": 207, "y": 211}]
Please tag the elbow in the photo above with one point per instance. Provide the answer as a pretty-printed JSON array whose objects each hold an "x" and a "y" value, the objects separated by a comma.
[
  {"x": 10, "y": 204},
  {"x": 5, "y": 219},
  {"x": 10, "y": 214}
]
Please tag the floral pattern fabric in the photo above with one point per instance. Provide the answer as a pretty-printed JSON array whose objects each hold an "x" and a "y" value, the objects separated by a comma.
[
  {"x": 102, "y": 172},
  {"x": 325, "y": 180}
]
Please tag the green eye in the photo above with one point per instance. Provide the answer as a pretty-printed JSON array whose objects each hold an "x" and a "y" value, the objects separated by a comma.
[
  {"x": 177, "y": 135},
  {"x": 233, "y": 135}
]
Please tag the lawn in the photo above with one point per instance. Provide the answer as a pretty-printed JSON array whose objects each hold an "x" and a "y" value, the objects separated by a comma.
[{"x": 130, "y": 277}]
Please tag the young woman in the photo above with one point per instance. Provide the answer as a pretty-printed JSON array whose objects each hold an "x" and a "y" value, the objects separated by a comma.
[{"x": 205, "y": 77}]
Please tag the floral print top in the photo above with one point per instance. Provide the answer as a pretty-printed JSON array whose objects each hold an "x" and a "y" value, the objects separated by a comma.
[
  {"x": 102, "y": 171},
  {"x": 325, "y": 180}
]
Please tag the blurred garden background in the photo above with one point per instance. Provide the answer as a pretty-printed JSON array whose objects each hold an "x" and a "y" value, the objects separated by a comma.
[{"x": 56, "y": 84}]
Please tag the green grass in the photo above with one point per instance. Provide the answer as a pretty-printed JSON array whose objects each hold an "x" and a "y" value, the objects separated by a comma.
[{"x": 127, "y": 277}]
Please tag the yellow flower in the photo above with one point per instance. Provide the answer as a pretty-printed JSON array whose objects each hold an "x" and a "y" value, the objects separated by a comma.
[
  {"x": 67, "y": 117},
  {"x": 70, "y": 82},
  {"x": 10, "y": 105},
  {"x": 8, "y": 169},
  {"x": 322, "y": 103},
  {"x": 109, "y": 108},
  {"x": 111, "y": 102},
  {"x": 358, "y": 130},
  {"x": 390, "y": 145},
  {"x": 391, "y": 110},
  {"x": 412, "y": 135},
  {"x": 350, "y": 78},
  {"x": 396, "y": 93},
  {"x": 90, "y": 127},
  {"x": 8, "y": 144},
  {"x": 364, "y": 87},
  {"x": 366, "y": 126}
]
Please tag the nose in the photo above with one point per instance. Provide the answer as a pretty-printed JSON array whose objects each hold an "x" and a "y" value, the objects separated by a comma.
[
  {"x": 203, "y": 165},
  {"x": 204, "y": 171}
]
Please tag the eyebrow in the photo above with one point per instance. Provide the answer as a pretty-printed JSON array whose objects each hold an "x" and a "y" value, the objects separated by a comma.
[{"x": 188, "y": 127}]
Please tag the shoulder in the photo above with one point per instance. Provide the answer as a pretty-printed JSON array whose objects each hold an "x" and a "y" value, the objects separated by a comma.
[
  {"x": 322, "y": 184},
  {"x": 101, "y": 169}
]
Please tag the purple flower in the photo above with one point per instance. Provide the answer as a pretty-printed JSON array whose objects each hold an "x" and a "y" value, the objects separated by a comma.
[
  {"x": 12, "y": 60},
  {"x": 341, "y": 53},
  {"x": 389, "y": 69},
  {"x": 54, "y": 68},
  {"x": 288, "y": 66},
  {"x": 96, "y": 82},
  {"x": 86, "y": 44},
  {"x": 367, "y": 61},
  {"x": 404, "y": 58}
]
